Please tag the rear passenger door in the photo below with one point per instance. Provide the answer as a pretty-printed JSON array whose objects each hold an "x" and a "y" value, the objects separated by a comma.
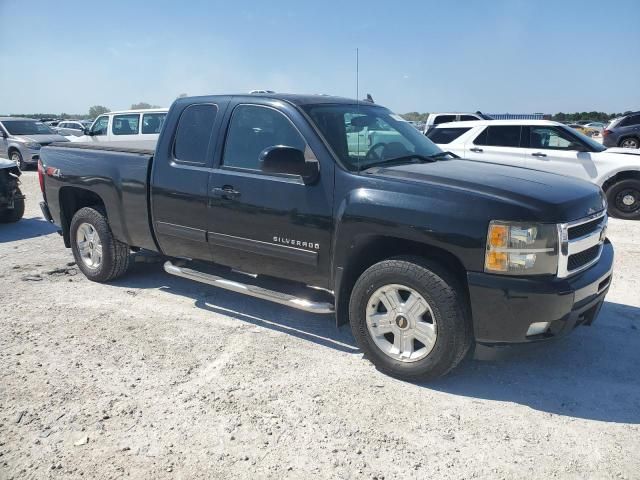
[
  {"x": 180, "y": 180},
  {"x": 270, "y": 223},
  {"x": 497, "y": 144}
]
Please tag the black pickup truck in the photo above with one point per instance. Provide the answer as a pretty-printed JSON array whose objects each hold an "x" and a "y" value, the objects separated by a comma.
[{"x": 422, "y": 252}]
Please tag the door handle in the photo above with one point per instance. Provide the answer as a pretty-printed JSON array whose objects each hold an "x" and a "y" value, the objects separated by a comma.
[
  {"x": 476, "y": 150},
  {"x": 538, "y": 154},
  {"x": 227, "y": 192}
]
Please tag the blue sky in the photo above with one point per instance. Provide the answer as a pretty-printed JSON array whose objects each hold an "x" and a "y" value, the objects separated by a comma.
[{"x": 493, "y": 55}]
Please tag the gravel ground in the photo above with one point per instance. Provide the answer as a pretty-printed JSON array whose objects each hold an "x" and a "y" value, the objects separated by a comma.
[{"x": 158, "y": 377}]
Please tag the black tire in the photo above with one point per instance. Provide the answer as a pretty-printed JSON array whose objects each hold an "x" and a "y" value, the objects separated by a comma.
[
  {"x": 447, "y": 300},
  {"x": 11, "y": 215},
  {"x": 16, "y": 156},
  {"x": 115, "y": 254},
  {"x": 629, "y": 142},
  {"x": 618, "y": 198}
]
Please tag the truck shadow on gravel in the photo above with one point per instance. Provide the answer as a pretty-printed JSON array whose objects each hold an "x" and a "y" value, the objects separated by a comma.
[
  {"x": 591, "y": 374},
  {"x": 24, "y": 229},
  {"x": 319, "y": 329}
]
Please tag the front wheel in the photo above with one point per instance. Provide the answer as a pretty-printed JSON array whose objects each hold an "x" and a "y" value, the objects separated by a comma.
[
  {"x": 98, "y": 254},
  {"x": 16, "y": 156},
  {"x": 410, "y": 318},
  {"x": 624, "y": 199}
]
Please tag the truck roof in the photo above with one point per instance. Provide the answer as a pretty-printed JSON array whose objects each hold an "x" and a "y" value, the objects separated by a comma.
[{"x": 297, "y": 99}]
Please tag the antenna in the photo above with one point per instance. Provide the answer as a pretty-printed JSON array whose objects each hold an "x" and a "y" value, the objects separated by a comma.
[{"x": 358, "y": 105}]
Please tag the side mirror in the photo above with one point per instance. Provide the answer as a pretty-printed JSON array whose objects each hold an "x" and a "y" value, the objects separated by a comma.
[
  {"x": 3, "y": 134},
  {"x": 289, "y": 160}
]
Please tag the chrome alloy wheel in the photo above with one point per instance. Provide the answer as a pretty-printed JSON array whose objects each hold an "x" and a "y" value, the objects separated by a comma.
[
  {"x": 89, "y": 245},
  {"x": 401, "y": 323}
]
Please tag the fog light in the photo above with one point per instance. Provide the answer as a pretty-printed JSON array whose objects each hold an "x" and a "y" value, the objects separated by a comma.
[{"x": 537, "y": 328}]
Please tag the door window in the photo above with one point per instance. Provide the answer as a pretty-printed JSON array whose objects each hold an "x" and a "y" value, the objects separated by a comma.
[
  {"x": 100, "y": 126},
  {"x": 499, "y": 136},
  {"x": 152, "y": 122},
  {"x": 254, "y": 128},
  {"x": 125, "y": 124},
  {"x": 550, "y": 138},
  {"x": 193, "y": 133},
  {"x": 445, "y": 135}
]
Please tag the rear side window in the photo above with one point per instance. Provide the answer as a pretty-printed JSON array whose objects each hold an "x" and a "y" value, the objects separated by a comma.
[
  {"x": 630, "y": 120},
  {"x": 499, "y": 136},
  {"x": 466, "y": 118},
  {"x": 254, "y": 128},
  {"x": 444, "y": 119},
  {"x": 152, "y": 122},
  {"x": 446, "y": 135},
  {"x": 125, "y": 124},
  {"x": 193, "y": 133}
]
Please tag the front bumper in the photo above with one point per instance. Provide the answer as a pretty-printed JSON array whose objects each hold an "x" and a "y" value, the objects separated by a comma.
[
  {"x": 30, "y": 156},
  {"x": 504, "y": 307}
]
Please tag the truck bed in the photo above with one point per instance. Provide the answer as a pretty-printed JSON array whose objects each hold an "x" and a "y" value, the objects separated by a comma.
[{"x": 117, "y": 172}]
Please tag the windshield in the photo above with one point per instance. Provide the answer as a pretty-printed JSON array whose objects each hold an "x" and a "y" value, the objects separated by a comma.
[
  {"x": 27, "y": 127},
  {"x": 363, "y": 136},
  {"x": 595, "y": 146}
]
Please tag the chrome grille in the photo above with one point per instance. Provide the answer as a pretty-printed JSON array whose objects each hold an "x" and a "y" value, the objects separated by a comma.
[{"x": 581, "y": 243}]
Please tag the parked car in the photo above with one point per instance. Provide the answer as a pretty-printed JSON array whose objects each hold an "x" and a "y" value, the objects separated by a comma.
[
  {"x": 589, "y": 132},
  {"x": 126, "y": 125},
  {"x": 623, "y": 132},
  {"x": 74, "y": 128},
  {"x": 22, "y": 138},
  {"x": 11, "y": 198},
  {"x": 437, "y": 118},
  {"x": 421, "y": 252},
  {"x": 550, "y": 147},
  {"x": 599, "y": 126}
]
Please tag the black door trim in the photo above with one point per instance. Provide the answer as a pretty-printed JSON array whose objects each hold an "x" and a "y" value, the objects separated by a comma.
[
  {"x": 284, "y": 252},
  {"x": 181, "y": 231}
]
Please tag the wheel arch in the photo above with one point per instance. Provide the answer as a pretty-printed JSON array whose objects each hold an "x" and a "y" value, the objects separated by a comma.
[
  {"x": 376, "y": 248},
  {"x": 623, "y": 175},
  {"x": 623, "y": 137},
  {"x": 71, "y": 200}
]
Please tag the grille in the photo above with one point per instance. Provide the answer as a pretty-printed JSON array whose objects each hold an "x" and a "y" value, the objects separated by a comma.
[
  {"x": 584, "y": 229},
  {"x": 578, "y": 260}
]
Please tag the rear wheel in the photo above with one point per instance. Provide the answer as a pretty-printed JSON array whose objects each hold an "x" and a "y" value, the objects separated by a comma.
[
  {"x": 409, "y": 317},
  {"x": 14, "y": 214},
  {"x": 16, "y": 156},
  {"x": 630, "y": 142},
  {"x": 624, "y": 199},
  {"x": 98, "y": 254}
]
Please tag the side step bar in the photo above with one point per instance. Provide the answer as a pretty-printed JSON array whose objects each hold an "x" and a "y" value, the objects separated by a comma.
[{"x": 251, "y": 290}]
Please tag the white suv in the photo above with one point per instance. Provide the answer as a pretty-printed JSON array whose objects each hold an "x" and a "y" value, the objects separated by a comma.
[
  {"x": 550, "y": 147},
  {"x": 437, "y": 118}
]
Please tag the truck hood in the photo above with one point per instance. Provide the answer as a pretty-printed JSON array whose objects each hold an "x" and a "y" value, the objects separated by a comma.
[
  {"x": 41, "y": 139},
  {"x": 546, "y": 196}
]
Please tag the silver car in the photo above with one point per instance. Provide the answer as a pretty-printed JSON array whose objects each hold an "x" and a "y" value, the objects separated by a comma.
[
  {"x": 75, "y": 128},
  {"x": 22, "y": 138}
]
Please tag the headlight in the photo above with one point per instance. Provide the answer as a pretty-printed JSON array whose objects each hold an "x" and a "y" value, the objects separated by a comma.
[
  {"x": 34, "y": 145},
  {"x": 515, "y": 248}
]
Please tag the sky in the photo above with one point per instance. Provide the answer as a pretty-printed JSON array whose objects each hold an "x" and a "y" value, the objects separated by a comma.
[{"x": 458, "y": 55}]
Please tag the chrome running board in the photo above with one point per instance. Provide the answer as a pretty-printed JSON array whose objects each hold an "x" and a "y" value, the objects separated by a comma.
[{"x": 251, "y": 290}]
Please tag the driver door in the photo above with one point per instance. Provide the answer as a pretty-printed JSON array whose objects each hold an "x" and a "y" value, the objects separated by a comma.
[{"x": 552, "y": 149}]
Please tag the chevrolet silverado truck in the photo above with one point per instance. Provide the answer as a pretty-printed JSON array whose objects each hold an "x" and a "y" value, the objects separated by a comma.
[{"x": 421, "y": 252}]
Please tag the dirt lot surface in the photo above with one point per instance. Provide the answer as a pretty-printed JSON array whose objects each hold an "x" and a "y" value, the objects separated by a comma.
[{"x": 159, "y": 377}]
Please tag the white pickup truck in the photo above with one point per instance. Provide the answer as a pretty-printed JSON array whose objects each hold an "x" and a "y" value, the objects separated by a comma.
[{"x": 550, "y": 147}]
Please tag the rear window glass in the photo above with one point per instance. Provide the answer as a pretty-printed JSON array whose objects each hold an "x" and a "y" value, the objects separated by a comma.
[
  {"x": 499, "y": 136},
  {"x": 193, "y": 133},
  {"x": 125, "y": 124},
  {"x": 444, "y": 119},
  {"x": 630, "y": 120},
  {"x": 445, "y": 135}
]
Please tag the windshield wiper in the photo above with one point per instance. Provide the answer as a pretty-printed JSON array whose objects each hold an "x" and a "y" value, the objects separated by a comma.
[
  {"x": 442, "y": 154},
  {"x": 399, "y": 160}
]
